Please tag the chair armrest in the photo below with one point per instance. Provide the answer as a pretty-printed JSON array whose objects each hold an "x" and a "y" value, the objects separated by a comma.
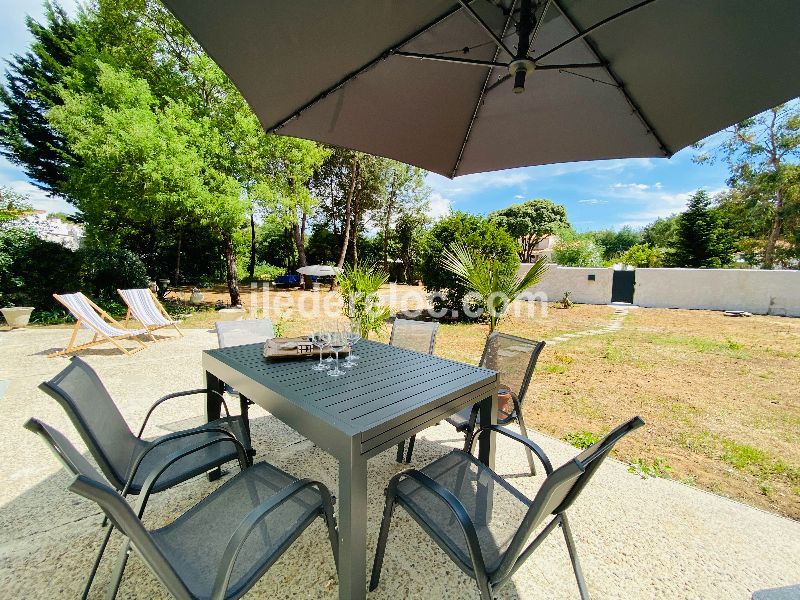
[
  {"x": 253, "y": 518},
  {"x": 455, "y": 506},
  {"x": 163, "y": 399},
  {"x": 537, "y": 450},
  {"x": 150, "y": 482},
  {"x": 175, "y": 436}
]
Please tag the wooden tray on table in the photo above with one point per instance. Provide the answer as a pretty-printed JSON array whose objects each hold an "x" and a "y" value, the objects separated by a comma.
[{"x": 300, "y": 347}]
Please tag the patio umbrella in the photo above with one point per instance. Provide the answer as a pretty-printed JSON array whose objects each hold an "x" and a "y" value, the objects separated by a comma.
[
  {"x": 432, "y": 82},
  {"x": 319, "y": 271}
]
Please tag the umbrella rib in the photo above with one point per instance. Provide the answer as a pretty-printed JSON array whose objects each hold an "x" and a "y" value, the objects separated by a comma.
[
  {"x": 626, "y": 94},
  {"x": 486, "y": 27},
  {"x": 382, "y": 56},
  {"x": 484, "y": 89},
  {"x": 451, "y": 59}
]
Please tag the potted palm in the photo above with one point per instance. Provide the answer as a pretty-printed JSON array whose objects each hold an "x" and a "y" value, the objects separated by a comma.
[{"x": 359, "y": 287}]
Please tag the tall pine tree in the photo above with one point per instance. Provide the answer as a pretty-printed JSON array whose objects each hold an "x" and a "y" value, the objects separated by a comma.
[{"x": 701, "y": 240}]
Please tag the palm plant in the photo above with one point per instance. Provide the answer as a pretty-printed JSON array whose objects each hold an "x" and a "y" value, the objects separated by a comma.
[
  {"x": 359, "y": 287},
  {"x": 492, "y": 281}
]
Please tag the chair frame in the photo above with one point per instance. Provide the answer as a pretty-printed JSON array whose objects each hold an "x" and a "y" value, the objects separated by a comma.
[
  {"x": 401, "y": 446},
  {"x": 517, "y": 400},
  {"x": 161, "y": 309},
  {"x": 99, "y": 336},
  {"x": 517, "y": 552}
]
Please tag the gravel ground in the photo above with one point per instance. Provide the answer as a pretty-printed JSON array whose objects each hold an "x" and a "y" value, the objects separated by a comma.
[{"x": 637, "y": 538}]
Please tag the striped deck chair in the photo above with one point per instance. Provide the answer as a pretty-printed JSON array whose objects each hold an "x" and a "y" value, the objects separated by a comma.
[
  {"x": 145, "y": 308},
  {"x": 90, "y": 316}
]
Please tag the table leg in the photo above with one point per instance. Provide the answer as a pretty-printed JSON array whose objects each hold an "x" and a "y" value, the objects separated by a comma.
[
  {"x": 213, "y": 411},
  {"x": 244, "y": 408},
  {"x": 487, "y": 443},
  {"x": 353, "y": 525}
]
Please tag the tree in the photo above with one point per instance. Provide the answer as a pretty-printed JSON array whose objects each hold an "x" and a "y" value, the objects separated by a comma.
[
  {"x": 409, "y": 232},
  {"x": 615, "y": 243},
  {"x": 12, "y": 204},
  {"x": 31, "y": 89},
  {"x": 701, "y": 240},
  {"x": 476, "y": 233},
  {"x": 661, "y": 232},
  {"x": 578, "y": 252},
  {"x": 139, "y": 163},
  {"x": 643, "y": 255},
  {"x": 531, "y": 222},
  {"x": 762, "y": 154}
]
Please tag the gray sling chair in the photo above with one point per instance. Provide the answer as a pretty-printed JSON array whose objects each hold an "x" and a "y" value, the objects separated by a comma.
[
  {"x": 220, "y": 547},
  {"x": 413, "y": 335},
  {"x": 455, "y": 498},
  {"x": 239, "y": 333},
  {"x": 126, "y": 459},
  {"x": 515, "y": 359}
]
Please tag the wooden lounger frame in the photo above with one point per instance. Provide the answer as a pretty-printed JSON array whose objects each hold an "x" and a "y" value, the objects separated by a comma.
[{"x": 99, "y": 336}]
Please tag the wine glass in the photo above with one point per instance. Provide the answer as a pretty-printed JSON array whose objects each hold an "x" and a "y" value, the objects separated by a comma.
[
  {"x": 320, "y": 339},
  {"x": 337, "y": 342},
  {"x": 353, "y": 336}
]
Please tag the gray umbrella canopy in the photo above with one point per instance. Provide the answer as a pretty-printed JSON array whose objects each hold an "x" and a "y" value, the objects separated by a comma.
[{"x": 427, "y": 82}]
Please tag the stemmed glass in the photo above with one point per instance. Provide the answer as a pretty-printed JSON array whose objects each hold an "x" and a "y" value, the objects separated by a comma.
[
  {"x": 353, "y": 335},
  {"x": 320, "y": 339},
  {"x": 337, "y": 342}
]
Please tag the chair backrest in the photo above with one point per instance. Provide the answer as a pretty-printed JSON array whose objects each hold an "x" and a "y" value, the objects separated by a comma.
[
  {"x": 89, "y": 484},
  {"x": 238, "y": 333},
  {"x": 414, "y": 335},
  {"x": 81, "y": 309},
  {"x": 563, "y": 486},
  {"x": 143, "y": 305},
  {"x": 514, "y": 358},
  {"x": 92, "y": 411}
]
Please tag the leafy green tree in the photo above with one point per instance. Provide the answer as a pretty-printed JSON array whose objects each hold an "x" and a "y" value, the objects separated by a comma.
[
  {"x": 531, "y": 222},
  {"x": 643, "y": 255},
  {"x": 615, "y": 243},
  {"x": 476, "y": 233},
  {"x": 701, "y": 241},
  {"x": 12, "y": 204},
  {"x": 409, "y": 233},
  {"x": 140, "y": 162},
  {"x": 762, "y": 154},
  {"x": 31, "y": 87},
  {"x": 661, "y": 232}
]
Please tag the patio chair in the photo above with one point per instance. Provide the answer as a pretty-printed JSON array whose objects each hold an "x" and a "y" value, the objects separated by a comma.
[
  {"x": 145, "y": 308},
  {"x": 515, "y": 359},
  {"x": 126, "y": 459},
  {"x": 90, "y": 316},
  {"x": 220, "y": 547},
  {"x": 468, "y": 509},
  {"x": 239, "y": 333},
  {"x": 421, "y": 337}
]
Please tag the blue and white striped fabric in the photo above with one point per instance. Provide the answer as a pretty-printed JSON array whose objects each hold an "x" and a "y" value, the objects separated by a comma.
[
  {"x": 144, "y": 308},
  {"x": 80, "y": 308}
]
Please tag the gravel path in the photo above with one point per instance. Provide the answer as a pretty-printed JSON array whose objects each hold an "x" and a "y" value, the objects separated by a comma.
[{"x": 637, "y": 538}]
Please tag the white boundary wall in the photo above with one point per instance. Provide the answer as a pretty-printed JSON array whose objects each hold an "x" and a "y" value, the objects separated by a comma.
[
  {"x": 753, "y": 290},
  {"x": 558, "y": 280},
  {"x": 756, "y": 291}
]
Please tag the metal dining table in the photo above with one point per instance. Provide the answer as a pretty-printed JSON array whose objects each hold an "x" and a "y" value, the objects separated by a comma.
[{"x": 391, "y": 394}]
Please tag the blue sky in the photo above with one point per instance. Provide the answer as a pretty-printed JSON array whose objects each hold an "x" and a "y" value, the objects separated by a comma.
[{"x": 598, "y": 195}]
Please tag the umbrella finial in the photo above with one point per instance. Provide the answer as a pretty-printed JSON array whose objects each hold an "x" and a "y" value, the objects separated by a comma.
[{"x": 519, "y": 70}]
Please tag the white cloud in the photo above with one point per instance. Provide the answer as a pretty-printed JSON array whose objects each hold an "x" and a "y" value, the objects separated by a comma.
[
  {"x": 592, "y": 201},
  {"x": 632, "y": 186},
  {"x": 439, "y": 206},
  {"x": 519, "y": 197},
  {"x": 473, "y": 184},
  {"x": 655, "y": 204}
]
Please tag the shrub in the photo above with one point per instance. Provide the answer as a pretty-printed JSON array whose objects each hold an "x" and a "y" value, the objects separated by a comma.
[
  {"x": 104, "y": 270},
  {"x": 359, "y": 287},
  {"x": 577, "y": 253},
  {"x": 474, "y": 232},
  {"x": 265, "y": 272},
  {"x": 31, "y": 269},
  {"x": 642, "y": 255}
]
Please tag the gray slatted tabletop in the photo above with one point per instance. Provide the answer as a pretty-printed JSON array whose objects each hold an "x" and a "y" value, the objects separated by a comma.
[{"x": 390, "y": 395}]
